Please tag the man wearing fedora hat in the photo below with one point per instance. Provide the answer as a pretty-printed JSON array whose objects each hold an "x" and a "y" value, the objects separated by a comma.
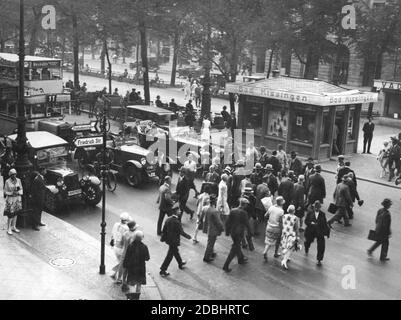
[
  {"x": 295, "y": 164},
  {"x": 368, "y": 129},
  {"x": 316, "y": 188},
  {"x": 316, "y": 228},
  {"x": 236, "y": 225},
  {"x": 383, "y": 230}
]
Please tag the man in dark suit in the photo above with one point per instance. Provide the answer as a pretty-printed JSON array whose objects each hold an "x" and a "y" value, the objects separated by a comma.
[
  {"x": 182, "y": 191},
  {"x": 165, "y": 201},
  {"x": 172, "y": 232},
  {"x": 316, "y": 228},
  {"x": 342, "y": 200},
  {"x": 214, "y": 227},
  {"x": 286, "y": 190},
  {"x": 275, "y": 162},
  {"x": 368, "y": 129},
  {"x": 298, "y": 199},
  {"x": 272, "y": 182},
  {"x": 316, "y": 188},
  {"x": 236, "y": 225},
  {"x": 383, "y": 230},
  {"x": 296, "y": 164},
  {"x": 38, "y": 188}
]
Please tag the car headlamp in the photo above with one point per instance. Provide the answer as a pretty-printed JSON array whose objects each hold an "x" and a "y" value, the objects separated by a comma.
[
  {"x": 60, "y": 182},
  {"x": 143, "y": 161}
]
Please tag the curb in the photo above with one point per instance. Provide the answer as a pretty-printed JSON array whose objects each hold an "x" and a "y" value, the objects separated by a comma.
[{"x": 150, "y": 291}]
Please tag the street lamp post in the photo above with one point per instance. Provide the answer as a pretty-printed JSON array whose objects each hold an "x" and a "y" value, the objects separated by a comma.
[
  {"x": 104, "y": 129},
  {"x": 22, "y": 163}
]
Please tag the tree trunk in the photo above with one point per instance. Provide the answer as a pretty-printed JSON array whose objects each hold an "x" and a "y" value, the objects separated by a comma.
[
  {"x": 93, "y": 52},
  {"x": 83, "y": 57},
  {"x": 63, "y": 47},
  {"x": 102, "y": 57},
  {"x": 75, "y": 49},
  {"x": 137, "y": 56},
  {"x": 175, "y": 57},
  {"x": 269, "y": 70},
  {"x": 144, "y": 56},
  {"x": 158, "y": 52},
  {"x": 378, "y": 68},
  {"x": 233, "y": 74},
  {"x": 2, "y": 45},
  {"x": 33, "y": 42},
  {"x": 106, "y": 51},
  {"x": 312, "y": 65},
  {"x": 206, "y": 96}
]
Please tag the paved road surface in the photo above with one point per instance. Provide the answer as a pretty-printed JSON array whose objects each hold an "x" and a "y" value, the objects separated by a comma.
[{"x": 257, "y": 279}]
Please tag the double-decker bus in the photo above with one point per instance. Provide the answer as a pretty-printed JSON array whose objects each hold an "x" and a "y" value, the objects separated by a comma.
[{"x": 44, "y": 95}]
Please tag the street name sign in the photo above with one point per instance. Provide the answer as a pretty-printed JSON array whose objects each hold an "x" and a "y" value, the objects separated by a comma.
[{"x": 88, "y": 141}]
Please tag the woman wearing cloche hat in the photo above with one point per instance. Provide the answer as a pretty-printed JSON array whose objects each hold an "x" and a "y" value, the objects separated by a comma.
[{"x": 13, "y": 206}]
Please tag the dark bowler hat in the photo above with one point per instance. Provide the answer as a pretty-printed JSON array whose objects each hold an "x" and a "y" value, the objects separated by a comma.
[
  {"x": 318, "y": 168},
  {"x": 387, "y": 202}
]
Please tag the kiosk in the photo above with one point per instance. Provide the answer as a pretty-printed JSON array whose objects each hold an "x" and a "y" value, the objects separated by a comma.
[{"x": 311, "y": 117}]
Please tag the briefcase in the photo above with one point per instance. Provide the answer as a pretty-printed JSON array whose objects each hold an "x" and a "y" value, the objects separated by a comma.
[
  {"x": 372, "y": 235},
  {"x": 332, "y": 208}
]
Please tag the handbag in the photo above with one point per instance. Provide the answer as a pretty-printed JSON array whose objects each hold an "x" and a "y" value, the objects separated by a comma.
[
  {"x": 372, "y": 235},
  {"x": 332, "y": 208}
]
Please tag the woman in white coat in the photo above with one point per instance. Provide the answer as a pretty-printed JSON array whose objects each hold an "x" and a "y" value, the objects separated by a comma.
[{"x": 222, "y": 199}]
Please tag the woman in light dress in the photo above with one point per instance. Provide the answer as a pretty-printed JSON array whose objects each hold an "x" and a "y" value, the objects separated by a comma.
[
  {"x": 187, "y": 90},
  {"x": 274, "y": 225},
  {"x": 290, "y": 234},
  {"x": 117, "y": 242},
  {"x": 222, "y": 199},
  {"x": 13, "y": 192},
  {"x": 383, "y": 158}
]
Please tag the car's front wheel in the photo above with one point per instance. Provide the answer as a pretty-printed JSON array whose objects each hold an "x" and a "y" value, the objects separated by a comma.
[
  {"x": 93, "y": 194},
  {"x": 133, "y": 176}
]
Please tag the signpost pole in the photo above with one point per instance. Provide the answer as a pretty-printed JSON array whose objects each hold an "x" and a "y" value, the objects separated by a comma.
[{"x": 102, "y": 269}]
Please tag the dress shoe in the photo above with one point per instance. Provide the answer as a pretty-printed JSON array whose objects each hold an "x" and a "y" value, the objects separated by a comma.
[
  {"x": 243, "y": 261},
  {"x": 369, "y": 253},
  {"x": 208, "y": 260},
  {"x": 369, "y": 152},
  {"x": 265, "y": 256},
  {"x": 36, "y": 228},
  {"x": 384, "y": 259},
  {"x": 119, "y": 281},
  {"x": 164, "y": 273},
  {"x": 10, "y": 232},
  {"x": 182, "y": 264},
  {"x": 284, "y": 265},
  {"x": 276, "y": 255},
  {"x": 227, "y": 269},
  {"x": 42, "y": 225},
  {"x": 319, "y": 263},
  {"x": 16, "y": 230}
]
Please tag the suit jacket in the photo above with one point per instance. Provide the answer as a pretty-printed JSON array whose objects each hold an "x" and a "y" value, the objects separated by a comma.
[
  {"x": 296, "y": 166},
  {"x": 237, "y": 222},
  {"x": 316, "y": 188},
  {"x": 276, "y": 164},
  {"x": 352, "y": 190},
  {"x": 272, "y": 183},
  {"x": 213, "y": 224},
  {"x": 320, "y": 228},
  {"x": 298, "y": 199},
  {"x": 38, "y": 191},
  {"x": 262, "y": 190},
  {"x": 368, "y": 128},
  {"x": 286, "y": 190},
  {"x": 172, "y": 231},
  {"x": 182, "y": 188},
  {"x": 342, "y": 195},
  {"x": 383, "y": 224},
  {"x": 165, "y": 199}
]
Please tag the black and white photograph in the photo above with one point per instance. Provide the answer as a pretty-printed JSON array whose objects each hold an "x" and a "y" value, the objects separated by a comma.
[{"x": 214, "y": 153}]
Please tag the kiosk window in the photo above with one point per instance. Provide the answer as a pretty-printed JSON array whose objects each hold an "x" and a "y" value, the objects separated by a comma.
[
  {"x": 351, "y": 125},
  {"x": 277, "y": 122},
  {"x": 303, "y": 125},
  {"x": 254, "y": 119},
  {"x": 324, "y": 137}
]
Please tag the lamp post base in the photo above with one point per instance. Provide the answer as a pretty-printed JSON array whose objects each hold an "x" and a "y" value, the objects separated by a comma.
[{"x": 102, "y": 269}]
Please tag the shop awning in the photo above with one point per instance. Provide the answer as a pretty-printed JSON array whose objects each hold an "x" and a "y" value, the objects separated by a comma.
[{"x": 313, "y": 92}]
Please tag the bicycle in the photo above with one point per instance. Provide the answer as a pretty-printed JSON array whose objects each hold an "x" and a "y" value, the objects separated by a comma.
[{"x": 111, "y": 177}]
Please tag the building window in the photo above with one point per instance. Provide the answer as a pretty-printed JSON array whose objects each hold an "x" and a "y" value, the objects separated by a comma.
[
  {"x": 303, "y": 122},
  {"x": 277, "y": 122},
  {"x": 254, "y": 116}
]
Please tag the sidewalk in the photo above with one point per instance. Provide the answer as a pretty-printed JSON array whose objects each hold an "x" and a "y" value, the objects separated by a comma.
[{"x": 58, "y": 263}]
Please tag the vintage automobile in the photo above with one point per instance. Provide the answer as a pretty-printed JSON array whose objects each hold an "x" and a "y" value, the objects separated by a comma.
[
  {"x": 135, "y": 163},
  {"x": 63, "y": 184},
  {"x": 142, "y": 112}
]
